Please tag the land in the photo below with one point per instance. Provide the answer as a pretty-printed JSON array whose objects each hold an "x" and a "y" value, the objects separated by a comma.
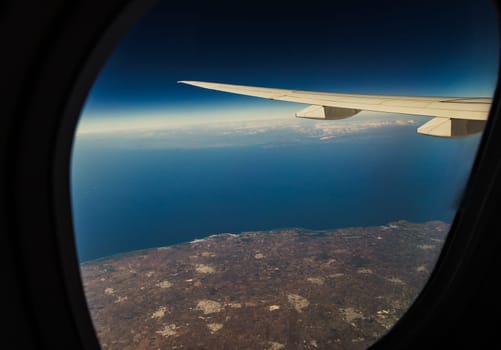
[{"x": 280, "y": 289}]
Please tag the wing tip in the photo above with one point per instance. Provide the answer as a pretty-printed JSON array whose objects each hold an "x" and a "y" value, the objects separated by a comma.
[{"x": 202, "y": 84}]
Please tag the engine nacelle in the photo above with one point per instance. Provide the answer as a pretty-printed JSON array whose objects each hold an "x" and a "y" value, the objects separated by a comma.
[{"x": 326, "y": 113}]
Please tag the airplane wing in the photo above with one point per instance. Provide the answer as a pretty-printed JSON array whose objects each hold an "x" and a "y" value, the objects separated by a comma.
[{"x": 453, "y": 116}]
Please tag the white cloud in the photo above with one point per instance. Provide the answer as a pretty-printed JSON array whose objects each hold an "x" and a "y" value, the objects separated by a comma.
[
  {"x": 224, "y": 132},
  {"x": 327, "y": 130}
]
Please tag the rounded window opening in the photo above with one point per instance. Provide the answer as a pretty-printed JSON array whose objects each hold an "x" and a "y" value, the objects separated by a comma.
[{"x": 276, "y": 177}]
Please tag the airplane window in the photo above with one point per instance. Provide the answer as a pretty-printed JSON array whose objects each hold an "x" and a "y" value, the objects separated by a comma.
[{"x": 276, "y": 178}]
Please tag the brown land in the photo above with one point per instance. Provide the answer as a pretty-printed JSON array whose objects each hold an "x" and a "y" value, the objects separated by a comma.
[{"x": 280, "y": 289}]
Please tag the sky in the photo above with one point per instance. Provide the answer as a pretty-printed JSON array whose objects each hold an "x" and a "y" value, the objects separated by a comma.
[
  {"x": 402, "y": 48},
  {"x": 156, "y": 162}
]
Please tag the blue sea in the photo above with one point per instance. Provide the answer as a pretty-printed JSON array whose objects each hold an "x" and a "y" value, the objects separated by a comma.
[{"x": 134, "y": 197}]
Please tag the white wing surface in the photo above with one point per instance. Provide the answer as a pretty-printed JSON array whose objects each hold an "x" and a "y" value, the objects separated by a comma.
[{"x": 454, "y": 116}]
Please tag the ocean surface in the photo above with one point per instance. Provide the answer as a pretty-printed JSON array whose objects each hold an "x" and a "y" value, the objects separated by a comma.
[{"x": 133, "y": 197}]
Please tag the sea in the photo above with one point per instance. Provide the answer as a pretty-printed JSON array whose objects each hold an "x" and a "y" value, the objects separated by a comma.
[{"x": 128, "y": 197}]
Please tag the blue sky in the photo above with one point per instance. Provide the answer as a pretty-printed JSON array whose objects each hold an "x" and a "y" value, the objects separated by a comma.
[{"x": 447, "y": 48}]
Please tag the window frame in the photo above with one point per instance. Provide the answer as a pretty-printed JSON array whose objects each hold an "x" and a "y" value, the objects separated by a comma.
[{"x": 57, "y": 50}]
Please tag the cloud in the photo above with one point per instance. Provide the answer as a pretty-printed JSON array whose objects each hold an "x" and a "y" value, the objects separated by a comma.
[
  {"x": 321, "y": 130},
  {"x": 328, "y": 130},
  {"x": 230, "y": 132}
]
